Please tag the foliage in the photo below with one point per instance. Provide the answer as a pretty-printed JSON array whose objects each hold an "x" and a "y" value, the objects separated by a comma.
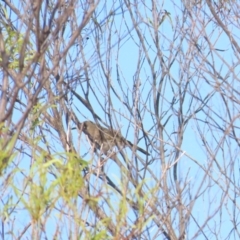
[{"x": 164, "y": 74}]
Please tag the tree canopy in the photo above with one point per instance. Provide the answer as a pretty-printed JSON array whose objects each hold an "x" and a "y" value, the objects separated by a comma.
[{"x": 160, "y": 76}]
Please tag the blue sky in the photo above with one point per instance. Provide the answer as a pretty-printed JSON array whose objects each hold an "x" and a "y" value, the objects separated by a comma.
[{"x": 126, "y": 58}]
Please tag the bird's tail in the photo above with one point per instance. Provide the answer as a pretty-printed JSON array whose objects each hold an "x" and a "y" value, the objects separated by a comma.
[{"x": 138, "y": 148}]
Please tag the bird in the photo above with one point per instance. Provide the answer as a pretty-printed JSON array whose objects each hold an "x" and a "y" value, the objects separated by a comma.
[{"x": 105, "y": 138}]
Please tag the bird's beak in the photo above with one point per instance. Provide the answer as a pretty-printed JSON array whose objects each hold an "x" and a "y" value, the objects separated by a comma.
[{"x": 80, "y": 126}]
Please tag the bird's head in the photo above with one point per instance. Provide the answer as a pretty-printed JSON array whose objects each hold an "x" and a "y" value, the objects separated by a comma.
[{"x": 87, "y": 126}]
